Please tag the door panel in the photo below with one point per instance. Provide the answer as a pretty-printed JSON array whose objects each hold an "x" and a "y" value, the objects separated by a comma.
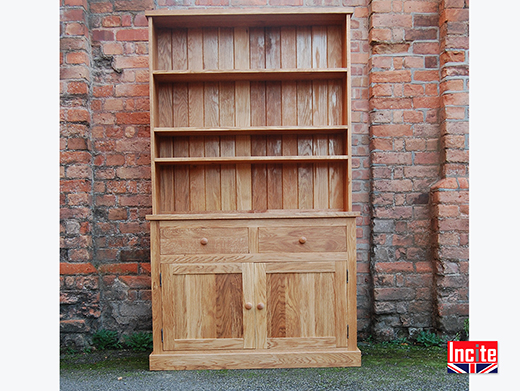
[
  {"x": 301, "y": 306},
  {"x": 203, "y": 306}
]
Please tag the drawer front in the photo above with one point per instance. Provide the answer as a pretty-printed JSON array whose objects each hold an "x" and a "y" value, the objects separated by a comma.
[
  {"x": 220, "y": 240},
  {"x": 302, "y": 239}
]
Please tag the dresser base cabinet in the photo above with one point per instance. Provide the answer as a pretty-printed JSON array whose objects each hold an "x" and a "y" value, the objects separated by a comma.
[{"x": 254, "y": 292}]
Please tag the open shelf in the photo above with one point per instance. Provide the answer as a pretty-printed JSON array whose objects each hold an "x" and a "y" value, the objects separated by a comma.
[{"x": 189, "y": 76}]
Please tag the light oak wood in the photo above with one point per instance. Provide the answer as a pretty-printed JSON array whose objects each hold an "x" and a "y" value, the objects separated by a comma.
[{"x": 252, "y": 230}]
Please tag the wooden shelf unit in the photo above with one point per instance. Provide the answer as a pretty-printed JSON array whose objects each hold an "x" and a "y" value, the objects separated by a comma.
[{"x": 252, "y": 228}]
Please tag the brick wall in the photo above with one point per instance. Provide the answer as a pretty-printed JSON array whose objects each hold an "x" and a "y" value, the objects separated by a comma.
[{"x": 407, "y": 70}]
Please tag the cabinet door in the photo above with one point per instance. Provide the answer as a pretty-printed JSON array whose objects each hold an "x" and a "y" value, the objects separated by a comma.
[
  {"x": 203, "y": 306},
  {"x": 306, "y": 305}
]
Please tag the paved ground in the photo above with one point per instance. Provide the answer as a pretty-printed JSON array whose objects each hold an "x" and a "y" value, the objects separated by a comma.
[{"x": 387, "y": 376}]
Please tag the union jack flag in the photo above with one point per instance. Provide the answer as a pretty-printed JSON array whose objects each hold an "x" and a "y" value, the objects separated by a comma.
[{"x": 472, "y": 368}]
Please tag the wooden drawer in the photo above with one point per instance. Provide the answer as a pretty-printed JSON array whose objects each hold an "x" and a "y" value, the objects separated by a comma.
[
  {"x": 302, "y": 239},
  {"x": 221, "y": 240}
]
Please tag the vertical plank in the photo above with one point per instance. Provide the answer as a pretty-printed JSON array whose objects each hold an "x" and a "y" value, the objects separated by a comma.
[
  {"x": 196, "y": 119},
  {"x": 157, "y": 305},
  {"x": 257, "y": 47},
  {"x": 248, "y": 288},
  {"x": 258, "y": 146},
  {"x": 334, "y": 47},
  {"x": 210, "y": 48},
  {"x": 272, "y": 48},
  {"x": 181, "y": 148},
  {"x": 340, "y": 287},
  {"x": 226, "y": 53},
  {"x": 179, "y": 49},
  {"x": 276, "y": 287},
  {"x": 164, "y": 49},
  {"x": 260, "y": 297},
  {"x": 212, "y": 145},
  {"x": 347, "y": 114},
  {"x": 228, "y": 310},
  {"x": 352, "y": 283},
  {"x": 227, "y": 147},
  {"x": 319, "y": 46},
  {"x": 336, "y": 147},
  {"x": 154, "y": 116},
  {"x": 305, "y": 171},
  {"x": 197, "y": 188},
  {"x": 168, "y": 307},
  {"x": 289, "y": 117},
  {"x": 293, "y": 306},
  {"x": 180, "y": 299},
  {"x": 243, "y": 119},
  {"x": 303, "y": 47},
  {"x": 324, "y": 304},
  {"x": 320, "y": 145},
  {"x": 274, "y": 145},
  {"x": 195, "y": 61},
  {"x": 306, "y": 301}
]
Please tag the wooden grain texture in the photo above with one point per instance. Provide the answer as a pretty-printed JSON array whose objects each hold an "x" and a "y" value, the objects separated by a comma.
[
  {"x": 155, "y": 271},
  {"x": 248, "y": 287},
  {"x": 236, "y": 128},
  {"x": 297, "y": 358},
  {"x": 351, "y": 311},
  {"x": 181, "y": 148},
  {"x": 260, "y": 298},
  {"x": 287, "y": 239},
  {"x": 243, "y": 119},
  {"x": 219, "y": 240}
]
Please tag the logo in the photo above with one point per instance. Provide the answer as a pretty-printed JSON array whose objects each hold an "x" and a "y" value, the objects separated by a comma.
[{"x": 472, "y": 357}]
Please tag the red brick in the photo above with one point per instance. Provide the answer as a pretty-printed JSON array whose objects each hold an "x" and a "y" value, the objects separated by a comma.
[
  {"x": 112, "y": 48},
  {"x": 77, "y": 268},
  {"x": 426, "y": 48},
  {"x": 394, "y": 20},
  {"x": 394, "y": 267},
  {"x": 119, "y": 268},
  {"x": 138, "y": 118},
  {"x": 455, "y": 15},
  {"x": 77, "y": 87},
  {"x": 380, "y": 35},
  {"x": 102, "y": 91},
  {"x": 391, "y": 103},
  {"x": 411, "y": 90},
  {"x": 381, "y": 144},
  {"x": 426, "y": 75},
  {"x": 101, "y": 8},
  {"x": 111, "y": 21},
  {"x": 133, "y": 5},
  {"x": 402, "y": 76},
  {"x": 392, "y": 130},
  {"x": 136, "y": 282},
  {"x": 424, "y": 7},
  {"x": 426, "y": 102},
  {"x": 102, "y": 35},
  {"x": 413, "y": 116},
  {"x": 131, "y": 62},
  {"x": 132, "y": 35},
  {"x": 459, "y": 99},
  {"x": 426, "y": 158},
  {"x": 132, "y": 90},
  {"x": 392, "y": 158}
]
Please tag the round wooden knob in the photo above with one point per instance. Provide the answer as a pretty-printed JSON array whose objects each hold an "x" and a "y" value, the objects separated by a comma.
[
  {"x": 248, "y": 306},
  {"x": 260, "y": 306},
  {"x": 204, "y": 241},
  {"x": 303, "y": 239}
]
